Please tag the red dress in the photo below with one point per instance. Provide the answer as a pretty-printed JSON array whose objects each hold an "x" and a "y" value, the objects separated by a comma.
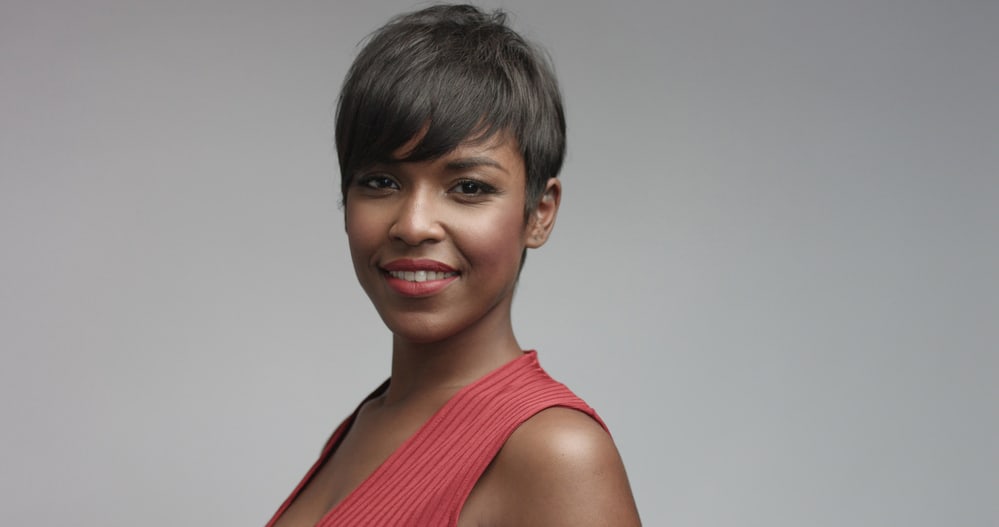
[{"x": 426, "y": 481}]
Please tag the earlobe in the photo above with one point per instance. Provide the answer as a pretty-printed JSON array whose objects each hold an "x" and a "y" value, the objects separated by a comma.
[{"x": 543, "y": 216}]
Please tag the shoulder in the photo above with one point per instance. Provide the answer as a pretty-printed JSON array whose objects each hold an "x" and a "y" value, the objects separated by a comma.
[
  {"x": 561, "y": 436},
  {"x": 560, "y": 467}
]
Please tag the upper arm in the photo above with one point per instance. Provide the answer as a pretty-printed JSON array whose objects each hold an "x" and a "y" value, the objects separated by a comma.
[{"x": 561, "y": 468}]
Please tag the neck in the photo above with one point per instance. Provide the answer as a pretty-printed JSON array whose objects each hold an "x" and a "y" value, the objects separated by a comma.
[{"x": 442, "y": 368}]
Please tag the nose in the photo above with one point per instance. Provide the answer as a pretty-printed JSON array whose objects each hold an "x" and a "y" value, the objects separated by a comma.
[{"x": 417, "y": 220}]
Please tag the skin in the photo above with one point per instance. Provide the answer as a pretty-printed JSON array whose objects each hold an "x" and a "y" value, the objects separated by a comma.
[{"x": 465, "y": 209}]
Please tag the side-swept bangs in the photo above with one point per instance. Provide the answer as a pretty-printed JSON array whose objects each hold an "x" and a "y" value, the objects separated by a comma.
[{"x": 456, "y": 75}]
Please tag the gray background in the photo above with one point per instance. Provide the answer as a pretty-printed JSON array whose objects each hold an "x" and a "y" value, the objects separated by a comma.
[{"x": 774, "y": 274}]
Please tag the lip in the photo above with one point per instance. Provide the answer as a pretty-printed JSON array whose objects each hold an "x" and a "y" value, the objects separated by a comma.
[
  {"x": 417, "y": 289},
  {"x": 407, "y": 264}
]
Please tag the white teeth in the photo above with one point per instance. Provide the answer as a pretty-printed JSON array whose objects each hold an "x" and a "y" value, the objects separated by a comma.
[{"x": 420, "y": 276}]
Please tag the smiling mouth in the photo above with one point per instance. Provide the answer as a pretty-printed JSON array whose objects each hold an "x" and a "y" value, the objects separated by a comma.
[{"x": 421, "y": 276}]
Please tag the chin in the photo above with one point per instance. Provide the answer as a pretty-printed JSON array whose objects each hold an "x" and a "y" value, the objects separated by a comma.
[{"x": 418, "y": 331}]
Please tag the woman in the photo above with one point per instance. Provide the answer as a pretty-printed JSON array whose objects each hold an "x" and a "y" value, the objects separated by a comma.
[{"x": 450, "y": 135}]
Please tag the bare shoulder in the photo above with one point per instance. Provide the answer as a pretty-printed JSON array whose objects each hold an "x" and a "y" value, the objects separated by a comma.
[{"x": 560, "y": 467}]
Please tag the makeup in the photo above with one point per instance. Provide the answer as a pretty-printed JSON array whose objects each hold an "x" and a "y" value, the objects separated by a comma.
[{"x": 418, "y": 278}]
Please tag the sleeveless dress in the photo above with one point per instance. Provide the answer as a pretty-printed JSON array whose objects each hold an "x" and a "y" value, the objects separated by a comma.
[{"x": 426, "y": 481}]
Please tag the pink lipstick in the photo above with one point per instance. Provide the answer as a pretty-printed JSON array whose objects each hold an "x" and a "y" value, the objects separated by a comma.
[{"x": 417, "y": 278}]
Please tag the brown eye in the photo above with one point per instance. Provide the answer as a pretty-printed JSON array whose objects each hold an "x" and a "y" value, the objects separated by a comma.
[
  {"x": 470, "y": 187},
  {"x": 377, "y": 181}
]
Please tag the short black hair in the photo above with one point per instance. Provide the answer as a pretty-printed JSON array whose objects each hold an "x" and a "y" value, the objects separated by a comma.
[{"x": 462, "y": 74}]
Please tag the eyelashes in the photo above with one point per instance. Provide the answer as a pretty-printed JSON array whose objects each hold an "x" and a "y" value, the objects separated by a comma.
[
  {"x": 376, "y": 182},
  {"x": 467, "y": 189},
  {"x": 472, "y": 187}
]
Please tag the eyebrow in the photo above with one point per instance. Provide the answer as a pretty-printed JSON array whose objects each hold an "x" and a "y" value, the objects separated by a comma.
[{"x": 466, "y": 163}]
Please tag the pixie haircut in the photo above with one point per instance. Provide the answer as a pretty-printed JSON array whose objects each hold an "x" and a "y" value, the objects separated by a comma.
[{"x": 460, "y": 74}]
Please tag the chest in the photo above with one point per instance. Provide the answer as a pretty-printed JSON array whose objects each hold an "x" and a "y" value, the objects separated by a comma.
[
  {"x": 418, "y": 467},
  {"x": 373, "y": 437}
]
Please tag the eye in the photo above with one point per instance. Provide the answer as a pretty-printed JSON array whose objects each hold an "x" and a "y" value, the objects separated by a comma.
[
  {"x": 377, "y": 182},
  {"x": 470, "y": 187}
]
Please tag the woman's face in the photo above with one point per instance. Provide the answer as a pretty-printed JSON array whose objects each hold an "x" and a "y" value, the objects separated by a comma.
[{"x": 437, "y": 244}]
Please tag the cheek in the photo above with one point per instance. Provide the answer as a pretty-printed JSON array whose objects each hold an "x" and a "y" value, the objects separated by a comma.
[
  {"x": 496, "y": 239},
  {"x": 362, "y": 230}
]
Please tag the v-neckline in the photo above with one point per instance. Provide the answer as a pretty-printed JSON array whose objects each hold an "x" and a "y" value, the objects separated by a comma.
[{"x": 344, "y": 429}]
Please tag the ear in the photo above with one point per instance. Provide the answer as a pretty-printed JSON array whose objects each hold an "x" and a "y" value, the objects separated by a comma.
[{"x": 542, "y": 219}]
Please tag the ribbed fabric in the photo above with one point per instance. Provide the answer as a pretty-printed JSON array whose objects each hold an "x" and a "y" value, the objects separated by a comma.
[{"x": 426, "y": 481}]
